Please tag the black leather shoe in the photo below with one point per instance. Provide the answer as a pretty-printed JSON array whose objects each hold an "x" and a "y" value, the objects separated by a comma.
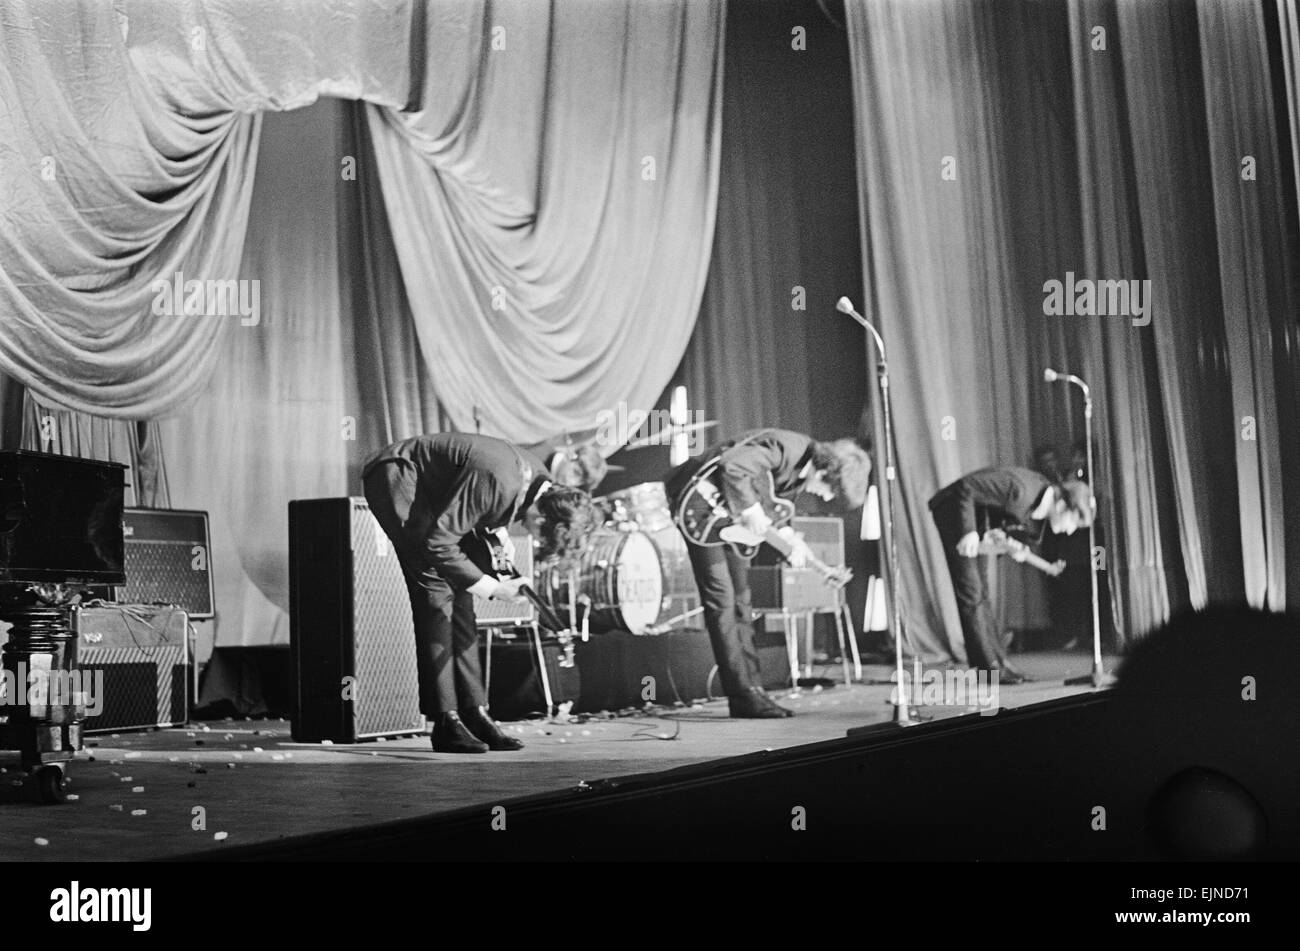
[
  {"x": 478, "y": 722},
  {"x": 451, "y": 736},
  {"x": 1009, "y": 678},
  {"x": 754, "y": 704}
]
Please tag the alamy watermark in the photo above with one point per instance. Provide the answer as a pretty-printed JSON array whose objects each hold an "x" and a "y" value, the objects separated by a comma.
[
  {"x": 972, "y": 687},
  {"x": 1084, "y": 297},
  {"x": 40, "y": 688},
  {"x": 615, "y": 428},
  {"x": 102, "y": 905},
  {"x": 211, "y": 298}
]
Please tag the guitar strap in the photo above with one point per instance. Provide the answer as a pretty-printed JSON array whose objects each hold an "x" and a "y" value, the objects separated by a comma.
[{"x": 706, "y": 470}]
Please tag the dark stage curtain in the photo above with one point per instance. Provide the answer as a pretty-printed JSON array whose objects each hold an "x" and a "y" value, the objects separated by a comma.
[
  {"x": 1122, "y": 163},
  {"x": 769, "y": 348}
]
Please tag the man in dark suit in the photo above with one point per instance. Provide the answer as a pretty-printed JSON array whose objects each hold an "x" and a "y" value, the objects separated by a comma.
[
  {"x": 1025, "y": 503},
  {"x": 741, "y": 467},
  {"x": 443, "y": 499}
]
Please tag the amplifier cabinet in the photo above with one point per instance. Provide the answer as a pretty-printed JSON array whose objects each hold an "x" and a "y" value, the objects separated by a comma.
[
  {"x": 776, "y": 586},
  {"x": 794, "y": 590},
  {"x": 489, "y": 613},
  {"x": 168, "y": 560},
  {"x": 351, "y": 636},
  {"x": 138, "y": 659}
]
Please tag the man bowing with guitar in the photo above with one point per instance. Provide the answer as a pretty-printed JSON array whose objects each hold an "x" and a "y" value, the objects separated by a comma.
[
  {"x": 445, "y": 501},
  {"x": 727, "y": 502},
  {"x": 976, "y": 515}
]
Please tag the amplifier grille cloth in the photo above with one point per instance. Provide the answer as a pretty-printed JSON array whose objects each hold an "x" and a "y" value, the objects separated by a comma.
[{"x": 386, "y": 693}]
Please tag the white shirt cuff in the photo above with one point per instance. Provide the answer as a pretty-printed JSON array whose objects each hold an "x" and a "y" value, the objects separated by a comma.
[{"x": 485, "y": 587}]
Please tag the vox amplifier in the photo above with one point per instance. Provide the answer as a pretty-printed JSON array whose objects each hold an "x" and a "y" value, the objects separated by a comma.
[
  {"x": 775, "y": 586},
  {"x": 167, "y": 560},
  {"x": 137, "y": 657}
]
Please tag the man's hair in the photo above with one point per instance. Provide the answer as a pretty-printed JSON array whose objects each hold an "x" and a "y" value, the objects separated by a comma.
[
  {"x": 581, "y": 467},
  {"x": 1078, "y": 499},
  {"x": 847, "y": 468},
  {"x": 570, "y": 517}
]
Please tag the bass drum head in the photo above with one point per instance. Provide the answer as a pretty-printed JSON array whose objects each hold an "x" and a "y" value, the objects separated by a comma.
[
  {"x": 621, "y": 574},
  {"x": 638, "y": 582}
]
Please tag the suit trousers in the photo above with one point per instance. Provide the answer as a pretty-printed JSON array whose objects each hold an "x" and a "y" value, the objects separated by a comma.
[
  {"x": 722, "y": 577},
  {"x": 971, "y": 585},
  {"x": 446, "y": 636}
]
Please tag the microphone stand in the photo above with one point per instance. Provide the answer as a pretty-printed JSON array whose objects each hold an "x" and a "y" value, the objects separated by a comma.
[
  {"x": 1098, "y": 677},
  {"x": 902, "y": 709}
]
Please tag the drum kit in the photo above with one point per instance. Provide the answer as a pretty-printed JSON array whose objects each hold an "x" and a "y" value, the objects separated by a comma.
[{"x": 635, "y": 574}]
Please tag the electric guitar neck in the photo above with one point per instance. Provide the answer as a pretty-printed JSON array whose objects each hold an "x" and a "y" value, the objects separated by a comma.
[{"x": 998, "y": 542}]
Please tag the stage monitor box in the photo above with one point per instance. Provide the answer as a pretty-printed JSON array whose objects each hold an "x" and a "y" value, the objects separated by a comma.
[
  {"x": 138, "y": 657},
  {"x": 351, "y": 637},
  {"x": 60, "y": 519},
  {"x": 168, "y": 560}
]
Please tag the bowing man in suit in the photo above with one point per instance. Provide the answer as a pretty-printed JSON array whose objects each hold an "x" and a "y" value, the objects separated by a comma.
[
  {"x": 796, "y": 463},
  {"x": 1023, "y": 501},
  {"x": 443, "y": 500}
]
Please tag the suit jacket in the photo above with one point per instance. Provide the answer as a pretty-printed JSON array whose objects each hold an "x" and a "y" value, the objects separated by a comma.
[
  {"x": 1005, "y": 494},
  {"x": 471, "y": 484},
  {"x": 744, "y": 463}
]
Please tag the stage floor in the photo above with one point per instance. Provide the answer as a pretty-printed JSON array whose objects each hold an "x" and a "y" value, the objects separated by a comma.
[{"x": 140, "y": 796}]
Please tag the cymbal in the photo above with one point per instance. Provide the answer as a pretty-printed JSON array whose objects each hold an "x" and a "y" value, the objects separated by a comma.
[
  {"x": 571, "y": 439},
  {"x": 665, "y": 436}
]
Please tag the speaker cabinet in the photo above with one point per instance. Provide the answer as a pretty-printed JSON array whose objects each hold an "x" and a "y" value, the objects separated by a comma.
[
  {"x": 351, "y": 636},
  {"x": 168, "y": 560}
]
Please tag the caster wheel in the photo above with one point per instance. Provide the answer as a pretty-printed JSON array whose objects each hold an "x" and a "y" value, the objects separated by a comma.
[{"x": 48, "y": 785}]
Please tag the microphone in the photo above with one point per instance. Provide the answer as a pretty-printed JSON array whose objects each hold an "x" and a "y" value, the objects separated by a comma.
[
  {"x": 845, "y": 306},
  {"x": 1052, "y": 376}
]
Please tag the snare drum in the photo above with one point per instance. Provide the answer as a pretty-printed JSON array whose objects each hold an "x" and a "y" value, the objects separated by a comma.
[
  {"x": 645, "y": 504},
  {"x": 620, "y": 572}
]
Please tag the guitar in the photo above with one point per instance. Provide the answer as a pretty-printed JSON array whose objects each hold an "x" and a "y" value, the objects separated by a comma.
[
  {"x": 997, "y": 542},
  {"x": 704, "y": 519},
  {"x": 504, "y": 566}
]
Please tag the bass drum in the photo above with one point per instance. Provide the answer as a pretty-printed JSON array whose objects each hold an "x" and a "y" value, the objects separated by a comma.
[{"x": 621, "y": 574}]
